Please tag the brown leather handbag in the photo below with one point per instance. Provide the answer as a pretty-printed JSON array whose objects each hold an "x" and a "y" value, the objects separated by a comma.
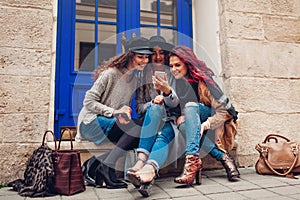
[
  {"x": 67, "y": 166},
  {"x": 278, "y": 158}
]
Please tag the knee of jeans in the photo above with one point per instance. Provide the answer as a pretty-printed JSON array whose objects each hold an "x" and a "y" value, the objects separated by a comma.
[
  {"x": 155, "y": 109},
  {"x": 191, "y": 104}
]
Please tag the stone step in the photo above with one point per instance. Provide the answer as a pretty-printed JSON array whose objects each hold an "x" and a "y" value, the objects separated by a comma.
[{"x": 88, "y": 149}]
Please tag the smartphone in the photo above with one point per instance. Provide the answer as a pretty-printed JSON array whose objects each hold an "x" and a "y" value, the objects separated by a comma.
[
  {"x": 161, "y": 74},
  {"x": 125, "y": 116}
]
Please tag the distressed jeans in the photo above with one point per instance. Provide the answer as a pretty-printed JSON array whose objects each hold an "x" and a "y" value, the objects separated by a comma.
[
  {"x": 195, "y": 114},
  {"x": 154, "y": 141}
]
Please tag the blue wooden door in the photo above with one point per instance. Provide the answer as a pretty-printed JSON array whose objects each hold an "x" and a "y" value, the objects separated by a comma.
[{"x": 90, "y": 31}]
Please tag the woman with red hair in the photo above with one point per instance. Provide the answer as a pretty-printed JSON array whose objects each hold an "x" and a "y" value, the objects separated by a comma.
[{"x": 208, "y": 121}]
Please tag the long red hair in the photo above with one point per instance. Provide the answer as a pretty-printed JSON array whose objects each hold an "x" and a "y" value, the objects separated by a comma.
[{"x": 197, "y": 69}]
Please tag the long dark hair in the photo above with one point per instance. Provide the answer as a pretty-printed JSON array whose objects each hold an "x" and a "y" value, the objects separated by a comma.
[
  {"x": 197, "y": 69},
  {"x": 120, "y": 61}
]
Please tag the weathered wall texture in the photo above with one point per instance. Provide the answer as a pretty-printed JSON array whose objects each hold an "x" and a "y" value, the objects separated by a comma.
[
  {"x": 260, "y": 48},
  {"x": 25, "y": 67}
]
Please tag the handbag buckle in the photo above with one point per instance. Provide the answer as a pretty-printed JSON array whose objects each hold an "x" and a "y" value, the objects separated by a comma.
[
  {"x": 294, "y": 148},
  {"x": 264, "y": 150}
]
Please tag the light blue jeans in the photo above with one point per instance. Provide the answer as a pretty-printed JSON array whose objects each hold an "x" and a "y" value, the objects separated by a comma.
[
  {"x": 98, "y": 130},
  {"x": 154, "y": 141},
  {"x": 195, "y": 114}
]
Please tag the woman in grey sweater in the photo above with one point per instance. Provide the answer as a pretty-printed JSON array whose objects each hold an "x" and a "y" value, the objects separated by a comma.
[{"x": 106, "y": 112}]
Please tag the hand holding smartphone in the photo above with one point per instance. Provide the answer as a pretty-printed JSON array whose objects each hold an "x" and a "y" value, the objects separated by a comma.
[
  {"x": 160, "y": 73},
  {"x": 125, "y": 116}
]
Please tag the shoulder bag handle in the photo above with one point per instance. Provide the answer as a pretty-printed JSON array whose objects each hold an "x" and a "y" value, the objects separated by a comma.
[
  {"x": 54, "y": 139},
  {"x": 274, "y": 136},
  {"x": 63, "y": 131},
  {"x": 281, "y": 174}
]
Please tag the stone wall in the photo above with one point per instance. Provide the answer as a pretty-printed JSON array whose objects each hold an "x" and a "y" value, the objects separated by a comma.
[
  {"x": 25, "y": 69},
  {"x": 260, "y": 48}
]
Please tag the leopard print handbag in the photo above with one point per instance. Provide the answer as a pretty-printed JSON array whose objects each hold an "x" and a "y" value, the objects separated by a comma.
[{"x": 39, "y": 173}]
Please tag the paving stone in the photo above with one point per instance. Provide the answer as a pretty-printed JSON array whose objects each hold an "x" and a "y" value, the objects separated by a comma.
[
  {"x": 227, "y": 196},
  {"x": 251, "y": 186},
  {"x": 286, "y": 190},
  {"x": 210, "y": 189},
  {"x": 257, "y": 194}
]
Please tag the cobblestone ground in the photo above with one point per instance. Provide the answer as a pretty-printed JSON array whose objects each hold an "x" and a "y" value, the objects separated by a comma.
[{"x": 214, "y": 186}]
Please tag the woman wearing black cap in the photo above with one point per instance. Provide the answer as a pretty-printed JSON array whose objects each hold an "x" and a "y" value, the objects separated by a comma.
[
  {"x": 106, "y": 112},
  {"x": 158, "y": 104}
]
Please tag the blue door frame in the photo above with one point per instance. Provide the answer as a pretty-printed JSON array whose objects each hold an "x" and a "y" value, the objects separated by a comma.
[{"x": 128, "y": 18}]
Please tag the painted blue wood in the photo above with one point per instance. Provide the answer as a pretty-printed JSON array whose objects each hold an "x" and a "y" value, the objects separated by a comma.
[
  {"x": 121, "y": 22},
  {"x": 185, "y": 22},
  {"x": 70, "y": 85},
  {"x": 64, "y": 65},
  {"x": 96, "y": 50}
]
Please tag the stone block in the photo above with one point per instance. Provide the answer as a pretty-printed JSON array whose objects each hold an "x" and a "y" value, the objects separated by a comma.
[
  {"x": 282, "y": 29},
  {"x": 14, "y": 157},
  {"x": 41, "y": 4},
  {"x": 285, "y": 7},
  {"x": 244, "y": 25},
  {"x": 25, "y": 62},
  {"x": 248, "y": 160},
  {"x": 252, "y": 6},
  {"x": 272, "y": 96},
  {"x": 26, "y": 28},
  {"x": 24, "y": 94},
  {"x": 25, "y": 127},
  {"x": 246, "y": 58},
  {"x": 275, "y": 7}
]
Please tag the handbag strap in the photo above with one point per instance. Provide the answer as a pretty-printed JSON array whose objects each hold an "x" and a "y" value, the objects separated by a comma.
[
  {"x": 54, "y": 139},
  {"x": 295, "y": 151},
  {"x": 63, "y": 131},
  {"x": 274, "y": 136}
]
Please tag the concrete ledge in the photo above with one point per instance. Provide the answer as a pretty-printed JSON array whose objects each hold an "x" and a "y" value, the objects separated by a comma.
[{"x": 88, "y": 149}]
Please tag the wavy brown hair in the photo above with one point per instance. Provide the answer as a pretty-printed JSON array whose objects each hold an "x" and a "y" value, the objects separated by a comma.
[{"x": 119, "y": 62}]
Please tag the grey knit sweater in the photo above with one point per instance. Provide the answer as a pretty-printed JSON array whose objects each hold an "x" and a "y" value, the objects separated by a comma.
[{"x": 110, "y": 91}]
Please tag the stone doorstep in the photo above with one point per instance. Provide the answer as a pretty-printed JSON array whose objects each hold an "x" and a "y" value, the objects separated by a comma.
[{"x": 88, "y": 149}]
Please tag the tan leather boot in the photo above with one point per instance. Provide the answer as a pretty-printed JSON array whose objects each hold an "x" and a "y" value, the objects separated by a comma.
[{"x": 191, "y": 171}]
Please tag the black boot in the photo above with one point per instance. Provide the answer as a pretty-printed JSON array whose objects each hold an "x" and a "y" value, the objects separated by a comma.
[
  {"x": 230, "y": 167},
  {"x": 89, "y": 170},
  {"x": 107, "y": 174}
]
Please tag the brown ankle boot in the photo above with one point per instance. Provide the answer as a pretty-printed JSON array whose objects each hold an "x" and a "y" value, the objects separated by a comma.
[
  {"x": 230, "y": 167},
  {"x": 191, "y": 171}
]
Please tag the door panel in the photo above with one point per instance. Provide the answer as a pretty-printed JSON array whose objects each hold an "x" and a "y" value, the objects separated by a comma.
[{"x": 89, "y": 34}]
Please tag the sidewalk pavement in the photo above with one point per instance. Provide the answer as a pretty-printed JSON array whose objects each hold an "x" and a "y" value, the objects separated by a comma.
[{"x": 214, "y": 186}]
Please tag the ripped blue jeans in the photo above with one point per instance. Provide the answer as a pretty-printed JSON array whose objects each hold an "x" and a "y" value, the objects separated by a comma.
[
  {"x": 154, "y": 139},
  {"x": 195, "y": 114}
]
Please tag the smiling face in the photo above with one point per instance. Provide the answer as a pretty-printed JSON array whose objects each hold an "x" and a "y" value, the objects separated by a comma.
[
  {"x": 158, "y": 56},
  {"x": 178, "y": 68},
  {"x": 139, "y": 61}
]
